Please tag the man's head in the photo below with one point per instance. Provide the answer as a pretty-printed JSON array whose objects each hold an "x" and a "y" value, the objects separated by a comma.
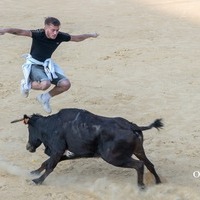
[{"x": 51, "y": 27}]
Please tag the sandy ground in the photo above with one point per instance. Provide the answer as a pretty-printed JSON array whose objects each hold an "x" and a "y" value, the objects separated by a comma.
[{"x": 144, "y": 65}]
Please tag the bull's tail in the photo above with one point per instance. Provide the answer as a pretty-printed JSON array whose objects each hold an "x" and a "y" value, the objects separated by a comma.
[{"x": 158, "y": 124}]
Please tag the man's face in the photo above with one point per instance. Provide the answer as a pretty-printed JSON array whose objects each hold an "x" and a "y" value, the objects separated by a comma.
[{"x": 51, "y": 31}]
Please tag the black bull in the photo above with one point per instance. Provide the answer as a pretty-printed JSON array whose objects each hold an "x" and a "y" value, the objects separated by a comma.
[{"x": 85, "y": 134}]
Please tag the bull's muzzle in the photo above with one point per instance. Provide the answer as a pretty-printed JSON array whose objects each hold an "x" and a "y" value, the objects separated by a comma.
[{"x": 30, "y": 148}]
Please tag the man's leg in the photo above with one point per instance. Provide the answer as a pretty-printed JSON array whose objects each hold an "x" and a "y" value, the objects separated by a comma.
[
  {"x": 43, "y": 85},
  {"x": 40, "y": 81},
  {"x": 44, "y": 99},
  {"x": 38, "y": 78},
  {"x": 62, "y": 86},
  {"x": 35, "y": 85}
]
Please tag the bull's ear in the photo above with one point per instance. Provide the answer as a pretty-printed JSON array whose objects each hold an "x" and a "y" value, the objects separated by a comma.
[{"x": 26, "y": 119}]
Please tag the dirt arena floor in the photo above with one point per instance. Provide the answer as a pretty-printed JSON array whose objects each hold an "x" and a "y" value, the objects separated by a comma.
[{"x": 144, "y": 65}]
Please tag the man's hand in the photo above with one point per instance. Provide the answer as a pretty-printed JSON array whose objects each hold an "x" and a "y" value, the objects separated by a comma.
[
  {"x": 2, "y": 31},
  {"x": 94, "y": 35}
]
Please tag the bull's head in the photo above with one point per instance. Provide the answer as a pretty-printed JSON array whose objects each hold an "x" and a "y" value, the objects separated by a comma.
[{"x": 33, "y": 141}]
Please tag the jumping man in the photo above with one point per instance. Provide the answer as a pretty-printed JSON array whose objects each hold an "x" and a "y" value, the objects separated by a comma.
[{"x": 39, "y": 69}]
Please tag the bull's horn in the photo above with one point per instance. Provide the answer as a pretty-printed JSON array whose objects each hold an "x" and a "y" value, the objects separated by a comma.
[
  {"x": 17, "y": 120},
  {"x": 25, "y": 119}
]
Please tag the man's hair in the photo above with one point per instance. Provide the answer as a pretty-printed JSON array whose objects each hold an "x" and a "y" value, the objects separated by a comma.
[{"x": 51, "y": 20}]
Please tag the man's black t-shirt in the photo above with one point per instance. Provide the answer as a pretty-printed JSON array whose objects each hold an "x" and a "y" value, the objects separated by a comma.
[{"x": 43, "y": 47}]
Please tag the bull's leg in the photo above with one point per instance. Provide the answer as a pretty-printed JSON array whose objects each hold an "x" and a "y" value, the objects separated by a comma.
[
  {"x": 138, "y": 166},
  {"x": 128, "y": 162},
  {"x": 141, "y": 156},
  {"x": 115, "y": 154},
  {"x": 40, "y": 169},
  {"x": 44, "y": 164},
  {"x": 49, "y": 166},
  {"x": 40, "y": 180}
]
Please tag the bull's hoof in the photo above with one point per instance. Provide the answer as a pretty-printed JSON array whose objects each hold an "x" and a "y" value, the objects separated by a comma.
[
  {"x": 142, "y": 187},
  {"x": 35, "y": 172},
  {"x": 158, "y": 181},
  {"x": 37, "y": 181}
]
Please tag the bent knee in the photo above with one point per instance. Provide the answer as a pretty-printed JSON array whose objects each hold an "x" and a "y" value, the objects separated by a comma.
[
  {"x": 45, "y": 85},
  {"x": 64, "y": 84}
]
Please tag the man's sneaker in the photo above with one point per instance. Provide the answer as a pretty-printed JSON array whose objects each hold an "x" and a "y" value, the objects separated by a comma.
[
  {"x": 24, "y": 92},
  {"x": 45, "y": 103}
]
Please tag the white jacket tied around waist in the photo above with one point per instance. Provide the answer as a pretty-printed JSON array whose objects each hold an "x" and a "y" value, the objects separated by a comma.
[{"x": 50, "y": 69}]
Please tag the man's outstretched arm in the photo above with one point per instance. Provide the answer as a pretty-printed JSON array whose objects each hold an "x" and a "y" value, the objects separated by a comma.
[
  {"x": 16, "y": 31},
  {"x": 79, "y": 38}
]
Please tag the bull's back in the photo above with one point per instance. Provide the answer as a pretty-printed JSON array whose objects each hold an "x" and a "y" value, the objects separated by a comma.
[{"x": 84, "y": 119}]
